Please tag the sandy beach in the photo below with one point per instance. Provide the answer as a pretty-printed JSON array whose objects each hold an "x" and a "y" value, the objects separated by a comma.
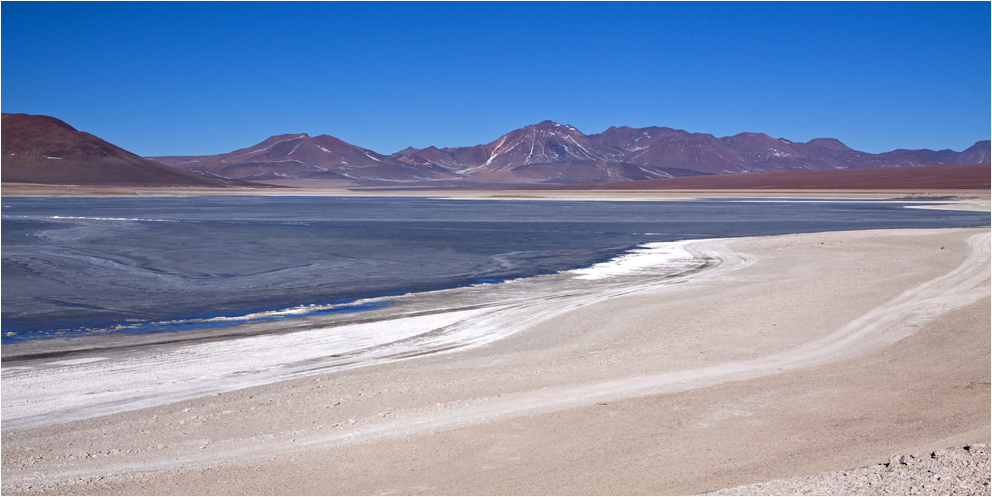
[{"x": 747, "y": 360}]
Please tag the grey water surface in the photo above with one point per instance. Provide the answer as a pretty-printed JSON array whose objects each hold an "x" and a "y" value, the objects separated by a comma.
[{"x": 146, "y": 264}]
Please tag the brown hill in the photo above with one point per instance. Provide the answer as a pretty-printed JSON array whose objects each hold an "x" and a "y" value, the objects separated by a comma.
[
  {"x": 42, "y": 149},
  {"x": 302, "y": 157},
  {"x": 970, "y": 176},
  {"x": 656, "y": 147}
]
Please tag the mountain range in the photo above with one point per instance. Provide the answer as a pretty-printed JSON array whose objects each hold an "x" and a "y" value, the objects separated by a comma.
[
  {"x": 551, "y": 153},
  {"x": 42, "y": 149}
]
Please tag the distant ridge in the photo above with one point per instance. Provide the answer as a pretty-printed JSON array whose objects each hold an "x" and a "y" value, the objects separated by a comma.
[
  {"x": 45, "y": 150},
  {"x": 549, "y": 153}
]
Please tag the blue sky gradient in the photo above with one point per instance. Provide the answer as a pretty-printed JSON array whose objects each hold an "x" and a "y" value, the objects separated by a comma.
[{"x": 179, "y": 78}]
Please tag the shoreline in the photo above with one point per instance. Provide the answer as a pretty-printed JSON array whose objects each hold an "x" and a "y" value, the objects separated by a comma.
[
  {"x": 40, "y": 190},
  {"x": 199, "y": 362},
  {"x": 711, "y": 360},
  {"x": 672, "y": 255},
  {"x": 203, "y": 324}
]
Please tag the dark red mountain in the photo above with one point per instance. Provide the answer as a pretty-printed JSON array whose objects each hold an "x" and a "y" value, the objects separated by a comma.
[{"x": 42, "y": 149}]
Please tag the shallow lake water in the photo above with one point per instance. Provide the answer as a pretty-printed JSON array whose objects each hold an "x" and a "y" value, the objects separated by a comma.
[{"x": 75, "y": 266}]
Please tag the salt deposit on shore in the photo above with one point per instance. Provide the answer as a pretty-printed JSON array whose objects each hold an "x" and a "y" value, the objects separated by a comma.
[
  {"x": 837, "y": 346},
  {"x": 39, "y": 393}
]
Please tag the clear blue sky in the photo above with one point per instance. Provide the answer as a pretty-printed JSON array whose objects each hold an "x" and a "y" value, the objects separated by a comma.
[{"x": 204, "y": 78}]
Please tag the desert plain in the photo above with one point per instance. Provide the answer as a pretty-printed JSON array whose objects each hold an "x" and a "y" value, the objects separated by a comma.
[{"x": 784, "y": 356}]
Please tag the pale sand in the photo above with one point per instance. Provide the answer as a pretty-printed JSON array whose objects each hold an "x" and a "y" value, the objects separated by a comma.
[
  {"x": 965, "y": 199},
  {"x": 798, "y": 354}
]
